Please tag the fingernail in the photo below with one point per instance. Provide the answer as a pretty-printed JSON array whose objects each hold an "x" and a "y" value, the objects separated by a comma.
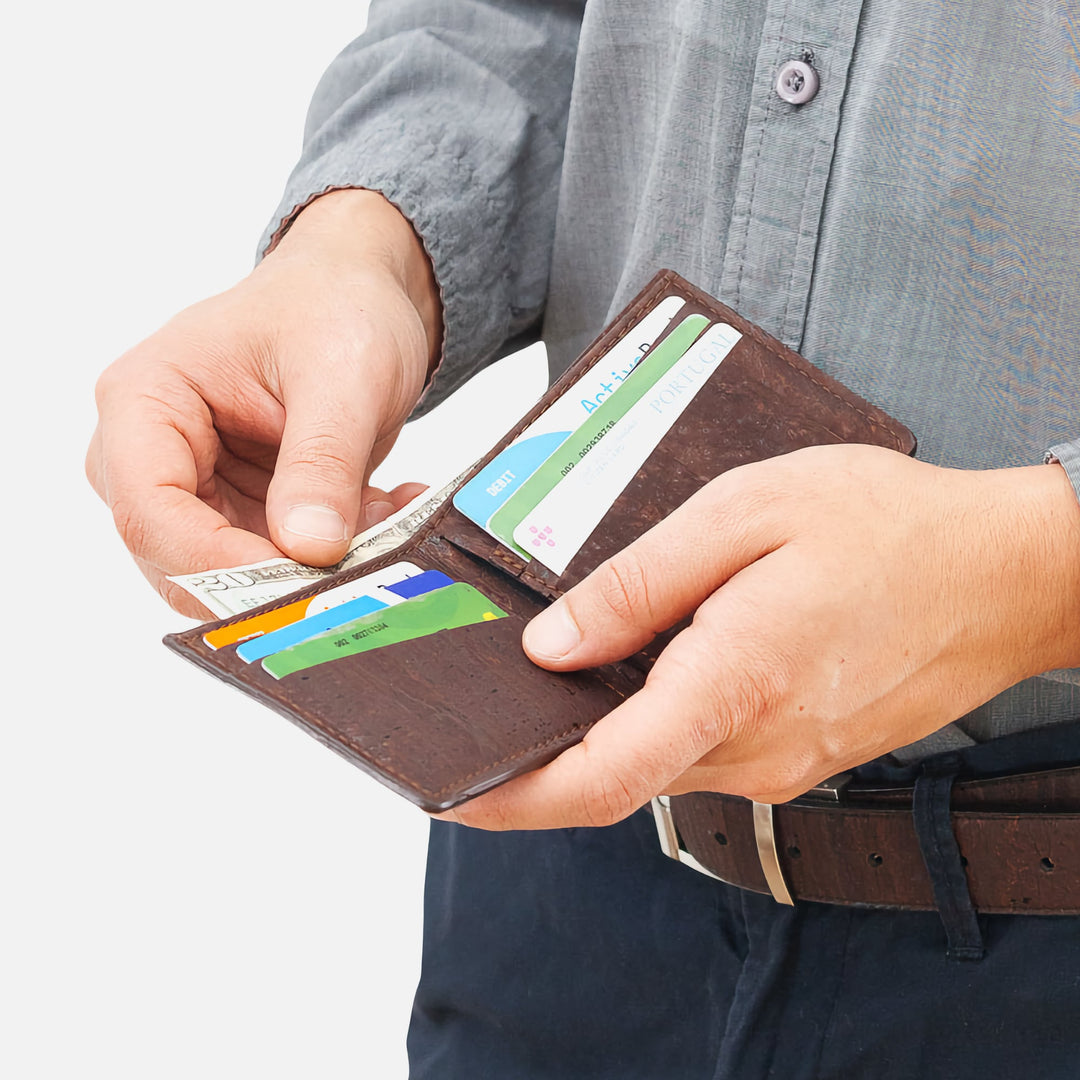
[
  {"x": 376, "y": 511},
  {"x": 315, "y": 523},
  {"x": 552, "y": 635}
]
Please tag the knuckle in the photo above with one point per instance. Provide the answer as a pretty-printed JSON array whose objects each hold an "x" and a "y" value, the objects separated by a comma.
[
  {"x": 130, "y": 523},
  {"x": 109, "y": 381},
  {"x": 668, "y": 682},
  {"x": 745, "y": 495},
  {"x": 492, "y": 812},
  {"x": 767, "y": 790},
  {"x": 623, "y": 588},
  {"x": 179, "y": 599},
  {"x": 607, "y": 800},
  {"x": 704, "y": 731},
  {"x": 749, "y": 699},
  {"x": 323, "y": 457},
  {"x": 744, "y": 705}
]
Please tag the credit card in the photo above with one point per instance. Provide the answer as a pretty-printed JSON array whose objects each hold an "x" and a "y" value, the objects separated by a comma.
[
  {"x": 498, "y": 480},
  {"x": 593, "y": 431},
  {"x": 428, "y": 581},
  {"x": 444, "y": 609},
  {"x": 565, "y": 518},
  {"x": 322, "y": 621},
  {"x": 289, "y": 613}
]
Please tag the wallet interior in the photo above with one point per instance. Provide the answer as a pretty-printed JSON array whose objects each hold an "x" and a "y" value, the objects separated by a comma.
[{"x": 445, "y": 717}]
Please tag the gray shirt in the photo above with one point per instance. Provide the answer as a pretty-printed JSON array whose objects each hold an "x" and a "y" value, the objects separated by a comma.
[{"x": 912, "y": 228}]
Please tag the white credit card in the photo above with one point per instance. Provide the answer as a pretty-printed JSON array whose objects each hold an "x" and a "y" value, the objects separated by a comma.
[
  {"x": 368, "y": 585},
  {"x": 288, "y": 613},
  {"x": 497, "y": 481},
  {"x": 359, "y": 597},
  {"x": 566, "y": 517}
]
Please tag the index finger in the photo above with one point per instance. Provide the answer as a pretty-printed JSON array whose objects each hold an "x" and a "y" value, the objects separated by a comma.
[{"x": 151, "y": 469}]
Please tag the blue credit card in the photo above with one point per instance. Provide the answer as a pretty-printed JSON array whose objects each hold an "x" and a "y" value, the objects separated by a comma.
[
  {"x": 419, "y": 584},
  {"x": 486, "y": 492},
  {"x": 294, "y": 633}
]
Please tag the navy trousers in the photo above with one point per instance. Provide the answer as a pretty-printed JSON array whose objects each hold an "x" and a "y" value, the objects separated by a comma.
[{"x": 585, "y": 953}]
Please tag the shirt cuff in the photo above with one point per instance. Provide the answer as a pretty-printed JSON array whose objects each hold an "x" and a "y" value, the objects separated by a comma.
[{"x": 1067, "y": 455}]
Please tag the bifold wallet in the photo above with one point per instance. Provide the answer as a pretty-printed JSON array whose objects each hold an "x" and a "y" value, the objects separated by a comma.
[{"x": 447, "y": 716}]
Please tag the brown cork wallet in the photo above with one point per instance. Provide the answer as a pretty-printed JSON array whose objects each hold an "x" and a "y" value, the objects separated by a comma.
[{"x": 445, "y": 717}]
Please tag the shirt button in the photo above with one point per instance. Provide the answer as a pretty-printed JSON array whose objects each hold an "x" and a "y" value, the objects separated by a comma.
[{"x": 797, "y": 82}]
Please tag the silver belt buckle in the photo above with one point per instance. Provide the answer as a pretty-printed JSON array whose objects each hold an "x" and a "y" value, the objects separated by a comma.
[
  {"x": 828, "y": 791},
  {"x": 669, "y": 837}
]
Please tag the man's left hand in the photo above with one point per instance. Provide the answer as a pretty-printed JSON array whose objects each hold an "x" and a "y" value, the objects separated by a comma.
[{"x": 846, "y": 600}]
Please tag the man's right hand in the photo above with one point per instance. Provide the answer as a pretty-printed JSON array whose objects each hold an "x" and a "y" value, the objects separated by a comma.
[{"x": 249, "y": 425}]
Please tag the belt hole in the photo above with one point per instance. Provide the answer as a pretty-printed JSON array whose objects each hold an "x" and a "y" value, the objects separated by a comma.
[
  {"x": 874, "y": 859},
  {"x": 794, "y": 852},
  {"x": 720, "y": 838},
  {"x": 963, "y": 860},
  {"x": 1047, "y": 864}
]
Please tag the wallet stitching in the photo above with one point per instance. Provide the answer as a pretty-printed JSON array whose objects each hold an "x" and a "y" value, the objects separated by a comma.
[
  {"x": 572, "y": 374},
  {"x": 534, "y": 747},
  {"x": 338, "y": 740},
  {"x": 584, "y": 363},
  {"x": 588, "y": 358},
  {"x": 776, "y": 349},
  {"x": 591, "y": 355},
  {"x": 782, "y": 352},
  {"x": 511, "y": 757}
]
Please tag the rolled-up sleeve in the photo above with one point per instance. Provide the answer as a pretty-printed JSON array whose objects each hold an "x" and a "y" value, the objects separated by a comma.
[
  {"x": 456, "y": 112},
  {"x": 1067, "y": 455}
]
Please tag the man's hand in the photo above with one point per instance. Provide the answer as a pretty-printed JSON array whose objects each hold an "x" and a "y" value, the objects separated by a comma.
[
  {"x": 248, "y": 426},
  {"x": 847, "y": 600}
]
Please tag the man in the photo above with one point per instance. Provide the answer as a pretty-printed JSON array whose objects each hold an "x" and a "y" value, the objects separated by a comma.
[{"x": 891, "y": 188}]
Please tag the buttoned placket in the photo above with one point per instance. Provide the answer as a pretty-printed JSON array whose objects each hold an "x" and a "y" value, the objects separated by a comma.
[{"x": 800, "y": 79}]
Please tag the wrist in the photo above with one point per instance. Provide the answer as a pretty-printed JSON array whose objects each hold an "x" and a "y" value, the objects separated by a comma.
[{"x": 363, "y": 227}]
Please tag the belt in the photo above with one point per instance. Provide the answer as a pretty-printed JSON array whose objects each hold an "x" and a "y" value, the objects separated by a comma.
[{"x": 1018, "y": 838}]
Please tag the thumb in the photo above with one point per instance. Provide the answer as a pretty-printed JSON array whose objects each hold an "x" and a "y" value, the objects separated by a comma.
[
  {"x": 660, "y": 578},
  {"x": 314, "y": 499}
]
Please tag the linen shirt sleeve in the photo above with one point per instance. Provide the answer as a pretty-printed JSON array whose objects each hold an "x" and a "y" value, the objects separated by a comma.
[
  {"x": 1068, "y": 456},
  {"x": 456, "y": 112}
]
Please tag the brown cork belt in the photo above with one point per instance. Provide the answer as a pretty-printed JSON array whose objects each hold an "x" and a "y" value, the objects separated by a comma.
[{"x": 1010, "y": 843}]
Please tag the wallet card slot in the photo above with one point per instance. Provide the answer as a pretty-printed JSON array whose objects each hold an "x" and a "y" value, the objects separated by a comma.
[
  {"x": 464, "y": 535},
  {"x": 445, "y": 716},
  {"x": 442, "y": 717},
  {"x": 661, "y": 485},
  {"x": 760, "y": 402},
  {"x": 438, "y": 718},
  {"x": 577, "y": 394}
]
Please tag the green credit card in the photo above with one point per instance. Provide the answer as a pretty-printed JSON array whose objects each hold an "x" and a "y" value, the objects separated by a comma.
[
  {"x": 651, "y": 369},
  {"x": 444, "y": 609}
]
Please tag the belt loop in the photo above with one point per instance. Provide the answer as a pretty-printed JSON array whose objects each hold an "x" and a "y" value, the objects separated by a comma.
[
  {"x": 940, "y": 852},
  {"x": 765, "y": 838}
]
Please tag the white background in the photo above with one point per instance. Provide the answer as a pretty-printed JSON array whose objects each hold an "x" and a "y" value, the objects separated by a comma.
[{"x": 192, "y": 887}]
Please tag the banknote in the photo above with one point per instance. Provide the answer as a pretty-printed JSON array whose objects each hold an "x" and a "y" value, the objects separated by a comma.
[{"x": 241, "y": 588}]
